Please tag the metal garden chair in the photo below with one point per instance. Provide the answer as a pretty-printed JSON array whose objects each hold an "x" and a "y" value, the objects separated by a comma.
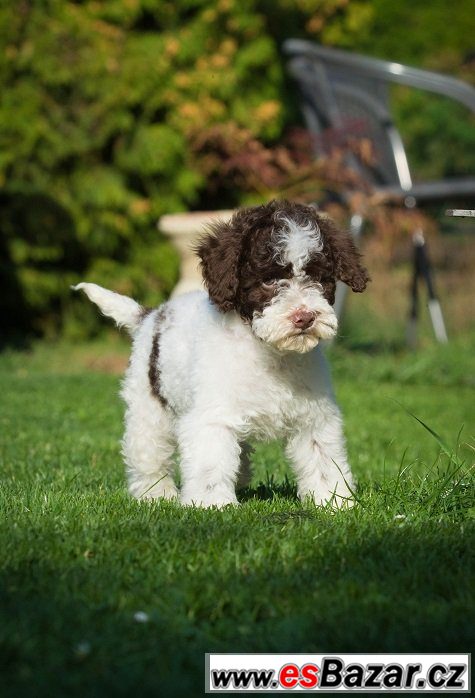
[{"x": 346, "y": 93}]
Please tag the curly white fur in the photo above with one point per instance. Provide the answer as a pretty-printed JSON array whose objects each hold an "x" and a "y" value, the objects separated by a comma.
[{"x": 296, "y": 243}]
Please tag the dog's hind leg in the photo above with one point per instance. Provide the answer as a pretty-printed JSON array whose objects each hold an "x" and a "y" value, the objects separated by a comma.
[
  {"x": 148, "y": 447},
  {"x": 148, "y": 442}
]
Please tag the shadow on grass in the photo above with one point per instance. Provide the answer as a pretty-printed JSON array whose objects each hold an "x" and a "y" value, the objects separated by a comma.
[
  {"x": 70, "y": 628},
  {"x": 269, "y": 490},
  {"x": 62, "y": 644}
]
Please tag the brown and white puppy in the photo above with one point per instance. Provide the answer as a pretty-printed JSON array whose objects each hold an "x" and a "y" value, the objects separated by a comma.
[{"x": 210, "y": 370}]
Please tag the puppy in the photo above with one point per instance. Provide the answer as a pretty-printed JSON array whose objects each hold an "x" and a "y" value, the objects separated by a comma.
[{"x": 210, "y": 370}]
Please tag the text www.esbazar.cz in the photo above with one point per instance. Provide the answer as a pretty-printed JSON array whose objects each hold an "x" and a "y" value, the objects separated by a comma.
[{"x": 334, "y": 674}]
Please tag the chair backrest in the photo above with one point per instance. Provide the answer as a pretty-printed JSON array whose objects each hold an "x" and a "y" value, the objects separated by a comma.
[{"x": 346, "y": 98}]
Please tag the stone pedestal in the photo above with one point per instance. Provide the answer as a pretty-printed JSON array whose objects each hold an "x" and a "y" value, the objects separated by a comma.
[{"x": 184, "y": 230}]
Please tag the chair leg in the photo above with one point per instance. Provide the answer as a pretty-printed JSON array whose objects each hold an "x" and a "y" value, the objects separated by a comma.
[
  {"x": 423, "y": 270},
  {"x": 413, "y": 322}
]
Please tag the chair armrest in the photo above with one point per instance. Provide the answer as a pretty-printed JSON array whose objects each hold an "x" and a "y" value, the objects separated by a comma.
[{"x": 384, "y": 70}]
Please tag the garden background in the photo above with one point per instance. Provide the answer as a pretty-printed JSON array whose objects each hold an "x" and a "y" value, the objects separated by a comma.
[
  {"x": 105, "y": 106},
  {"x": 112, "y": 113}
]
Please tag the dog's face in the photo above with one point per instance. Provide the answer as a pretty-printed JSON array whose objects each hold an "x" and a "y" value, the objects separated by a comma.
[{"x": 277, "y": 266}]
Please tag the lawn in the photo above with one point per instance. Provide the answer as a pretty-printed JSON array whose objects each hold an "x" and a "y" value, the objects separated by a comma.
[{"x": 79, "y": 558}]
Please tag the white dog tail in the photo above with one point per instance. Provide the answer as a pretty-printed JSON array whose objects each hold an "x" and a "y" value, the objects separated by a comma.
[{"x": 125, "y": 311}]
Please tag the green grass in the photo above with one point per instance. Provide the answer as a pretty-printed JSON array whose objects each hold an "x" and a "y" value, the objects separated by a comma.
[{"x": 79, "y": 558}]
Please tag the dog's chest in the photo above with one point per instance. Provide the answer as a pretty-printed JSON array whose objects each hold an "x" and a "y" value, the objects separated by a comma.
[
  {"x": 214, "y": 365},
  {"x": 277, "y": 395}
]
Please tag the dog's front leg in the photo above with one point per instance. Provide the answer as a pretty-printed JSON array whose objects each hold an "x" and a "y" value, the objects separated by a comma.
[
  {"x": 210, "y": 462},
  {"x": 318, "y": 454}
]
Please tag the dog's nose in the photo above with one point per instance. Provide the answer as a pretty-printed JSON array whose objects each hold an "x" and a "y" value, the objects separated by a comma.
[{"x": 302, "y": 318}]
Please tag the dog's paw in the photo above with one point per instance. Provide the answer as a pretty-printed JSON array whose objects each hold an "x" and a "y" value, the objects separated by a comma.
[
  {"x": 335, "y": 501},
  {"x": 208, "y": 499},
  {"x": 146, "y": 488}
]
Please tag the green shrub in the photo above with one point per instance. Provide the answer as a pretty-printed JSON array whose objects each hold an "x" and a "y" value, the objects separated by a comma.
[{"x": 98, "y": 99}]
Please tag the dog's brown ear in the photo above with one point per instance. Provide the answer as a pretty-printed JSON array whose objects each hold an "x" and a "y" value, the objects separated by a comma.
[
  {"x": 219, "y": 252},
  {"x": 347, "y": 258}
]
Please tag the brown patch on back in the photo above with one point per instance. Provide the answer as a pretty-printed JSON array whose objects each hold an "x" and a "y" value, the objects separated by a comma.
[{"x": 153, "y": 367}]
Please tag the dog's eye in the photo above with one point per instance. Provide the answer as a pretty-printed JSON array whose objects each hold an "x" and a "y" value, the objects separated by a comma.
[{"x": 269, "y": 284}]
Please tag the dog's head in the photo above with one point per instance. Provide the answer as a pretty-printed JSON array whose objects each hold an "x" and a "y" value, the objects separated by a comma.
[{"x": 277, "y": 266}]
